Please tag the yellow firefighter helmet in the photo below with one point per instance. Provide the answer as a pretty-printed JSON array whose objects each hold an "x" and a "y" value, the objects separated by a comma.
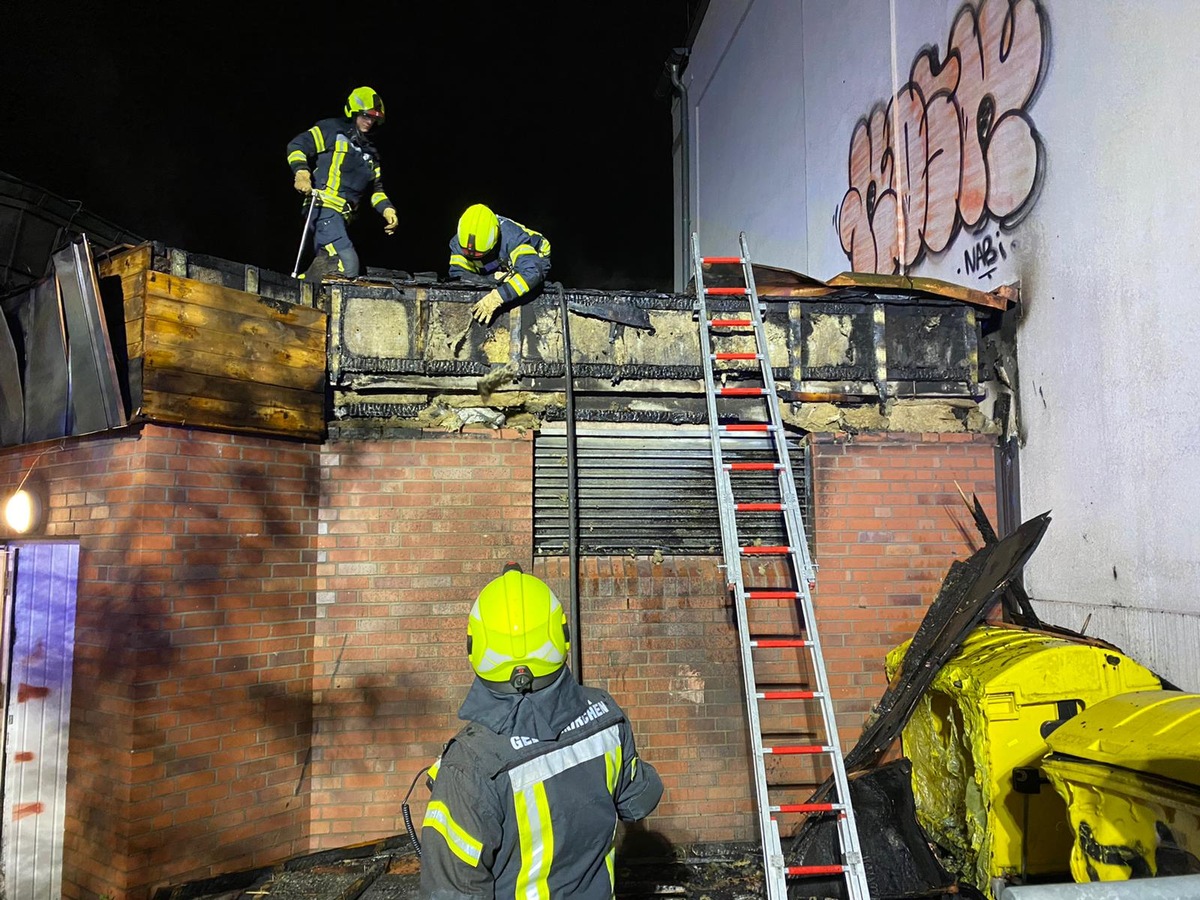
[
  {"x": 517, "y": 632},
  {"x": 478, "y": 231}
]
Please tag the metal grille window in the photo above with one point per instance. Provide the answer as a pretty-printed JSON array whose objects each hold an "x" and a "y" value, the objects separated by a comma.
[{"x": 642, "y": 490}]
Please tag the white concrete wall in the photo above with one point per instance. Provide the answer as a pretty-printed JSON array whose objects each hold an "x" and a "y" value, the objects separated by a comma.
[
  {"x": 1084, "y": 191},
  {"x": 748, "y": 60}
]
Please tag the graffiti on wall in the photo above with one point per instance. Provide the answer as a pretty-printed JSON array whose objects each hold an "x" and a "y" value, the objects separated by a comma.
[{"x": 956, "y": 147}]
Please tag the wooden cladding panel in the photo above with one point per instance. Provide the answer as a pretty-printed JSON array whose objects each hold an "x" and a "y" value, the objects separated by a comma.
[
  {"x": 227, "y": 343},
  {"x": 252, "y": 306},
  {"x": 130, "y": 267},
  {"x": 205, "y": 355},
  {"x": 202, "y": 400}
]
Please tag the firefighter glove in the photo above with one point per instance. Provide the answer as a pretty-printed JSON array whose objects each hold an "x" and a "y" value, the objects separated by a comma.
[
  {"x": 391, "y": 220},
  {"x": 485, "y": 309},
  {"x": 303, "y": 181}
]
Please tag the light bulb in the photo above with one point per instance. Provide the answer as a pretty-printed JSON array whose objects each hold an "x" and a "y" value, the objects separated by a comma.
[{"x": 23, "y": 512}]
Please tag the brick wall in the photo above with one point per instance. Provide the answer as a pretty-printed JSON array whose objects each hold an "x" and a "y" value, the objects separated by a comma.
[
  {"x": 191, "y": 700},
  {"x": 271, "y": 639},
  {"x": 889, "y": 521},
  {"x": 411, "y": 529}
]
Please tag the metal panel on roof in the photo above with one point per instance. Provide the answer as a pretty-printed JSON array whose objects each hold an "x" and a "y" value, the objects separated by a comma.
[
  {"x": 35, "y": 222},
  {"x": 47, "y": 404},
  {"x": 95, "y": 389},
  {"x": 12, "y": 406}
]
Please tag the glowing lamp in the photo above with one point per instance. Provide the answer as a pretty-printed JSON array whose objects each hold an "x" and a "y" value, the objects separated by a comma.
[{"x": 23, "y": 512}]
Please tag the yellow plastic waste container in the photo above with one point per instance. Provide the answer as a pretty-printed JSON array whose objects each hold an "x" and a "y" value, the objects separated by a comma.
[
  {"x": 977, "y": 738},
  {"x": 1129, "y": 771}
]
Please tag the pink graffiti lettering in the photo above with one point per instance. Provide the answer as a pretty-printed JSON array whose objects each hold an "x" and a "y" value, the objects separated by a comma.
[{"x": 954, "y": 148}]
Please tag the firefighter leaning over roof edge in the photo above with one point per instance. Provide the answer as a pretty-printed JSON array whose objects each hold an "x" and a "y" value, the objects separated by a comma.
[
  {"x": 337, "y": 163},
  {"x": 491, "y": 245},
  {"x": 527, "y": 795}
]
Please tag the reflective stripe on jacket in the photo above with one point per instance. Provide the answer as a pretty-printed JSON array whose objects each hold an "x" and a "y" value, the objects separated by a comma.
[
  {"x": 521, "y": 254},
  {"x": 344, "y": 163}
]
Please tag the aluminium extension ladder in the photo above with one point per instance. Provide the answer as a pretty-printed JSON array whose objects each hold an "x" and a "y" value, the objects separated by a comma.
[{"x": 792, "y": 557}]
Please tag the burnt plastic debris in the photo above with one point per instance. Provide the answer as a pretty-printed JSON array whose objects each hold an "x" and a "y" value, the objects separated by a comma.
[{"x": 895, "y": 849}]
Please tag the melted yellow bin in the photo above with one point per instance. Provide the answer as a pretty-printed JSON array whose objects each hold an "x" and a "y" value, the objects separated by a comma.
[
  {"x": 1129, "y": 771},
  {"x": 977, "y": 738}
]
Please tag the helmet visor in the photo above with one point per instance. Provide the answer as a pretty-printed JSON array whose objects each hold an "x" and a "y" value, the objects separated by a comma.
[{"x": 364, "y": 101}]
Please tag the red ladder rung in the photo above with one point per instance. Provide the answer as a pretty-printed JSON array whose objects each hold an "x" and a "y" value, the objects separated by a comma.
[
  {"x": 721, "y": 357},
  {"x": 730, "y": 323},
  {"x": 788, "y": 695},
  {"x": 721, "y": 260},
  {"x": 753, "y": 467},
  {"x": 781, "y": 642},
  {"x": 805, "y": 807},
  {"x": 773, "y": 595},
  {"x": 766, "y": 551},
  {"x": 758, "y": 507},
  {"x": 725, "y": 291},
  {"x": 815, "y": 870},
  {"x": 753, "y": 426},
  {"x": 741, "y": 392},
  {"x": 797, "y": 750}
]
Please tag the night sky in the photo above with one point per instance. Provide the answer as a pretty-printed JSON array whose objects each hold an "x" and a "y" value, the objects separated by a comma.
[{"x": 171, "y": 120}]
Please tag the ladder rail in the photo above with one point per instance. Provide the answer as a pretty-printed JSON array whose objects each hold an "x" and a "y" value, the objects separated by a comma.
[
  {"x": 768, "y": 828},
  {"x": 724, "y": 491},
  {"x": 803, "y": 570}
]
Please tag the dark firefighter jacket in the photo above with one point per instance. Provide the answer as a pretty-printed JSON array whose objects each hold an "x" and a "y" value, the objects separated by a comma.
[
  {"x": 526, "y": 797},
  {"x": 344, "y": 163},
  {"x": 521, "y": 257}
]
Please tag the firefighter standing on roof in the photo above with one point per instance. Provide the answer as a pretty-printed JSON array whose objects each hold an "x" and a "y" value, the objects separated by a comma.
[
  {"x": 336, "y": 162},
  {"x": 527, "y": 796},
  {"x": 491, "y": 245}
]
